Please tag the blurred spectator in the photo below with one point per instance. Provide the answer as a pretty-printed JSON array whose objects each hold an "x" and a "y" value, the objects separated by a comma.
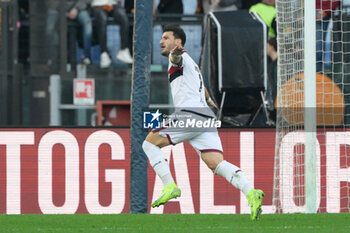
[
  {"x": 75, "y": 10},
  {"x": 52, "y": 16},
  {"x": 272, "y": 57},
  {"x": 101, "y": 9},
  {"x": 217, "y": 5},
  {"x": 323, "y": 16},
  {"x": 267, "y": 12},
  {"x": 23, "y": 9},
  {"x": 170, "y": 7},
  {"x": 23, "y": 36},
  {"x": 204, "y": 6},
  {"x": 129, "y": 6},
  {"x": 130, "y": 9},
  {"x": 247, "y": 4},
  {"x": 224, "y": 5}
]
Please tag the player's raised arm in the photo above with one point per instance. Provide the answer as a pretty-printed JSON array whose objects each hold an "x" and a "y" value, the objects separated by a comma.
[{"x": 175, "y": 54}]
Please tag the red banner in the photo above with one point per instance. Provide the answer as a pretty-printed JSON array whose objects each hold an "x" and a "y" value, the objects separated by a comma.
[{"x": 67, "y": 171}]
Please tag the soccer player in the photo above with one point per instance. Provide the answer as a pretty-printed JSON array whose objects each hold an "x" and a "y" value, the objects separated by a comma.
[{"x": 190, "y": 97}]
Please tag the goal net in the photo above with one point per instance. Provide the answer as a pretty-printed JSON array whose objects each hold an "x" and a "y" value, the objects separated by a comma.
[{"x": 312, "y": 164}]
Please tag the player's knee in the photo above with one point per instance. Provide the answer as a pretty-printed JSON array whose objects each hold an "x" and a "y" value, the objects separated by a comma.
[
  {"x": 212, "y": 167},
  {"x": 212, "y": 160},
  {"x": 157, "y": 140},
  {"x": 150, "y": 138},
  {"x": 211, "y": 164}
]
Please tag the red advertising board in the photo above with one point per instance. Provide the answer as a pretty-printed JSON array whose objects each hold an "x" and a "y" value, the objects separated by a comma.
[
  {"x": 67, "y": 171},
  {"x": 64, "y": 171}
]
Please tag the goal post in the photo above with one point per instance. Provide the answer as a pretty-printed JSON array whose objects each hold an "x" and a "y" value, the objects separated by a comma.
[
  {"x": 312, "y": 153},
  {"x": 310, "y": 105}
]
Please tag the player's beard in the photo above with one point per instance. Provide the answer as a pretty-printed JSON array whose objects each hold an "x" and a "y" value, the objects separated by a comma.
[{"x": 165, "y": 53}]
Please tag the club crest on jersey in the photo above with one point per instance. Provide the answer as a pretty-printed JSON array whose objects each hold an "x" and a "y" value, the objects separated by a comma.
[{"x": 152, "y": 120}]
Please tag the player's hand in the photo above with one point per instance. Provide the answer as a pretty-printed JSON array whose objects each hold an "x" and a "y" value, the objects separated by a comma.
[
  {"x": 178, "y": 50},
  {"x": 175, "y": 54},
  {"x": 211, "y": 104}
]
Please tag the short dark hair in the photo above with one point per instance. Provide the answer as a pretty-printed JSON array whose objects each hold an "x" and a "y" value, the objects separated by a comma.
[{"x": 177, "y": 31}]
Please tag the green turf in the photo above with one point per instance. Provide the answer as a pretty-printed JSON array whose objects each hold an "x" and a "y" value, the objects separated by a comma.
[{"x": 171, "y": 223}]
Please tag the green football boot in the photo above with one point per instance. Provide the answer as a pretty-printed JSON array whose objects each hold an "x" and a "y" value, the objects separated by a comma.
[
  {"x": 255, "y": 197},
  {"x": 170, "y": 191}
]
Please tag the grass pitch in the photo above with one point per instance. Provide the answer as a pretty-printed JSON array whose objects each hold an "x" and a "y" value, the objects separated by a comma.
[{"x": 171, "y": 223}]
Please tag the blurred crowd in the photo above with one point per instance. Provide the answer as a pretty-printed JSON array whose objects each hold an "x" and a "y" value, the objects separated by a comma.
[{"x": 93, "y": 16}]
